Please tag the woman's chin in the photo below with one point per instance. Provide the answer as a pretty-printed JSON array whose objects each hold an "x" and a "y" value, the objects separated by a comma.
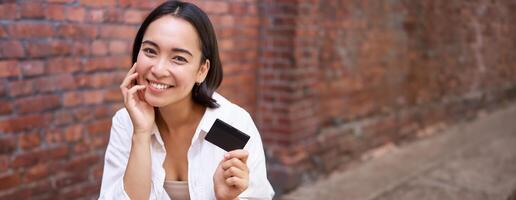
[{"x": 153, "y": 101}]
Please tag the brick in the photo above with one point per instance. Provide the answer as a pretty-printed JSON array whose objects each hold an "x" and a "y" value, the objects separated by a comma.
[
  {"x": 214, "y": 7},
  {"x": 89, "y": 189},
  {"x": 100, "y": 80},
  {"x": 113, "y": 15},
  {"x": 37, "y": 104},
  {"x": 118, "y": 47},
  {"x": 77, "y": 31},
  {"x": 55, "y": 83},
  {"x": 99, "y": 127},
  {"x": 81, "y": 48},
  {"x": 36, "y": 172},
  {"x": 99, "y": 63},
  {"x": 7, "y": 144},
  {"x": 49, "y": 48},
  {"x": 9, "y": 181},
  {"x": 95, "y": 15},
  {"x": 25, "y": 122},
  {"x": 72, "y": 99},
  {"x": 63, "y": 65},
  {"x": 4, "y": 159},
  {"x": 74, "y": 133},
  {"x": 11, "y": 49},
  {"x": 134, "y": 16},
  {"x": 83, "y": 114},
  {"x": 93, "y": 97},
  {"x": 61, "y": 1},
  {"x": 9, "y": 68},
  {"x": 104, "y": 112},
  {"x": 8, "y": 11},
  {"x": 63, "y": 118},
  {"x": 54, "y": 136},
  {"x": 32, "y": 10},
  {"x": 30, "y": 30},
  {"x": 67, "y": 179},
  {"x": 76, "y": 14},
  {"x": 99, "y": 48},
  {"x": 33, "y": 157},
  {"x": 19, "y": 88},
  {"x": 5, "y": 107},
  {"x": 55, "y": 12},
  {"x": 21, "y": 194},
  {"x": 117, "y": 32},
  {"x": 3, "y": 32},
  {"x": 43, "y": 188},
  {"x": 29, "y": 140},
  {"x": 82, "y": 163},
  {"x": 96, "y": 3},
  {"x": 32, "y": 68},
  {"x": 113, "y": 95},
  {"x": 138, "y": 4}
]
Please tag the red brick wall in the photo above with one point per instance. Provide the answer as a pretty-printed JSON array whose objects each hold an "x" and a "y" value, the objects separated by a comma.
[
  {"x": 61, "y": 62},
  {"x": 339, "y": 78},
  {"x": 326, "y": 81}
]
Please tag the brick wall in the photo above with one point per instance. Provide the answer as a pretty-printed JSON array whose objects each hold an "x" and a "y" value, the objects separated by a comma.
[
  {"x": 61, "y": 62},
  {"x": 339, "y": 79},
  {"x": 326, "y": 81}
]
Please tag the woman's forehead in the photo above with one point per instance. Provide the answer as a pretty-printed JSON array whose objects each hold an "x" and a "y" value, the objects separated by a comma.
[{"x": 170, "y": 32}]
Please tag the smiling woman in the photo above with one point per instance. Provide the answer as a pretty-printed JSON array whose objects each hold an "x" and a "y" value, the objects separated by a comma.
[{"x": 157, "y": 148}]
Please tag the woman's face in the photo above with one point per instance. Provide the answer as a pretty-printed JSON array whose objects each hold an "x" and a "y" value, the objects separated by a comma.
[{"x": 169, "y": 61}]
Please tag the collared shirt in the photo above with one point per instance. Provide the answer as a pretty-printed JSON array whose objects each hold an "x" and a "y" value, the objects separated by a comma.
[{"x": 203, "y": 156}]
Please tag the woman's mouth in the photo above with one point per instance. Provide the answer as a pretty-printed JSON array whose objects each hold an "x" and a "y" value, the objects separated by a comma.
[{"x": 156, "y": 86}]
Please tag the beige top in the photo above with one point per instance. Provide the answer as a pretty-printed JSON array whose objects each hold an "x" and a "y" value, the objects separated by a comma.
[{"x": 177, "y": 190}]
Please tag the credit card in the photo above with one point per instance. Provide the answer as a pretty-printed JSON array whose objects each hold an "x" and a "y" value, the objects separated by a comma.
[{"x": 226, "y": 136}]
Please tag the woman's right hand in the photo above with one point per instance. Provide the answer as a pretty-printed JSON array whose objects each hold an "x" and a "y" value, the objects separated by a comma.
[{"x": 141, "y": 113}]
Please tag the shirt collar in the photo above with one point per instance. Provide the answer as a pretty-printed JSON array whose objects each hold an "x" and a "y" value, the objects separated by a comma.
[{"x": 202, "y": 129}]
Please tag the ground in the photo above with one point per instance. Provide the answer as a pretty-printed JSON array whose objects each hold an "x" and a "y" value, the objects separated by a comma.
[{"x": 473, "y": 160}]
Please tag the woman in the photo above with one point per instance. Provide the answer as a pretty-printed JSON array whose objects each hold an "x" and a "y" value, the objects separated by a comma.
[{"x": 156, "y": 147}]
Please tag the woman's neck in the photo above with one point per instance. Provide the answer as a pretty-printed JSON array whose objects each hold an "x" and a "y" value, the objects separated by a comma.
[{"x": 178, "y": 115}]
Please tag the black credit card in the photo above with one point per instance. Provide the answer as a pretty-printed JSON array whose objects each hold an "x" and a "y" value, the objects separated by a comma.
[{"x": 226, "y": 136}]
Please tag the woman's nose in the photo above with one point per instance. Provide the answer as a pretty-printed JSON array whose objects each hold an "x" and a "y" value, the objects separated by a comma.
[{"x": 160, "y": 69}]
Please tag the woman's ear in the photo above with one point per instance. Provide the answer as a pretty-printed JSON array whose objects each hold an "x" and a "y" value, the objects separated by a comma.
[{"x": 203, "y": 71}]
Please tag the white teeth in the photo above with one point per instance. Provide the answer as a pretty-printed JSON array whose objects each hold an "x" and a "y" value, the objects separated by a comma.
[{"x": 159, "y": 86}]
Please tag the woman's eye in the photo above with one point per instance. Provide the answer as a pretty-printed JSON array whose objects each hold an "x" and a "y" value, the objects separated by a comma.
[
  {"x": 149, "y": 51},
  {"x": 180, "y": 59}
]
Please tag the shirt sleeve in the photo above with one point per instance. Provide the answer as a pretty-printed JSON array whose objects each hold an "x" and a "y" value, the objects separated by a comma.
[
  {"x": 115, "y": 160},
  {"x": 259, "y": 186}
]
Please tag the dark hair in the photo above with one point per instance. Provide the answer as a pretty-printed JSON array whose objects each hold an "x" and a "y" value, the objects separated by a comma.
[{"x": 201, "y": 93}]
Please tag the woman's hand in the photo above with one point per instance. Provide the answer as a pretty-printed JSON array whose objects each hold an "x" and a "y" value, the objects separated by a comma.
[
  {"x": 232, "y": 175},
  {"x": 141, "y": 113}
]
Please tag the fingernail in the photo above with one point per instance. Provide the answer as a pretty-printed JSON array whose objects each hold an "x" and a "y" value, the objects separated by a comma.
[{"x": 226, "y": 156}]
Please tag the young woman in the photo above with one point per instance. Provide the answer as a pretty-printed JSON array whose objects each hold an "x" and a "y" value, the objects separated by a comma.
[{"x": 156, "y": 147}]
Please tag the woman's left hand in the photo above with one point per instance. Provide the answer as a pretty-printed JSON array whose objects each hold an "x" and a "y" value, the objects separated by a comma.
[{"x": 232, "y": 175}]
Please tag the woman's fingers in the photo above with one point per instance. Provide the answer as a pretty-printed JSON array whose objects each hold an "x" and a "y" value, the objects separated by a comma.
[
  {"x": 234, "y": 162},
  {"x": 239, "y": 153},
  {"x": 128, "y": 80},
  {"x": 237, "y": 182},
  {"x": 133, "y": 68},
  {"x": 234, "y": 171},
  {"x": 130, "y": 93}
]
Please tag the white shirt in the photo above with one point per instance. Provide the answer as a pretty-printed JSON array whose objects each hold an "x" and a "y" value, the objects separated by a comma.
[{"x": 203, "y": 156}]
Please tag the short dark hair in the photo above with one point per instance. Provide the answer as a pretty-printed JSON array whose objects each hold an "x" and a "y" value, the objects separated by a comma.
[{"x": 201, "y": 93}]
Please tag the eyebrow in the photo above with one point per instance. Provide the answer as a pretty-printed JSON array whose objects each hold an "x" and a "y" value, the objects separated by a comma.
[{"x": 173, "y": 49}]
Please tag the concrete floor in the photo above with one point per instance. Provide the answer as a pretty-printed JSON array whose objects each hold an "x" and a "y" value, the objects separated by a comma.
[{"x": 473, "y": 160}]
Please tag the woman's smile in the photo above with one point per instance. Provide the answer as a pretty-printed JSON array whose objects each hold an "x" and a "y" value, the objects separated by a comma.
[{"x": 158, "y": 87}]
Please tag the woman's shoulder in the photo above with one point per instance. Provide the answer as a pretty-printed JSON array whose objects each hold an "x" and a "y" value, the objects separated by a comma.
[
  {"x": 122, "y": 121},
  {"x": 228, "y": 109},
  {"x": 122, "y": 116}
]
